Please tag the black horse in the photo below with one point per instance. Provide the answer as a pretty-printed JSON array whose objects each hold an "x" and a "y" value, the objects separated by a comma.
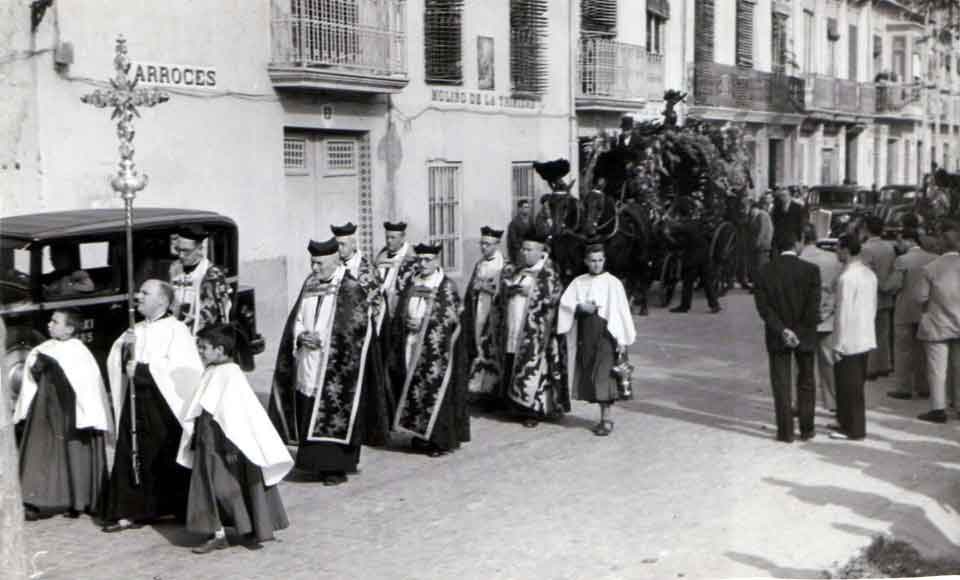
[{"x": 623, "y": 229}]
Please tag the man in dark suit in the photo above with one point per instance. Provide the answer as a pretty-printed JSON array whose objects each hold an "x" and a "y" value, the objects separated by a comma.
[
  {"x": 688, "y": 236},
  {"x": 787, "y": 293}
]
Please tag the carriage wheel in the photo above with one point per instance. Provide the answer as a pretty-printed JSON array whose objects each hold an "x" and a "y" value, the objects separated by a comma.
[
  {"x": 669, "y": 277},
  {"x": 722, "y": 249}
]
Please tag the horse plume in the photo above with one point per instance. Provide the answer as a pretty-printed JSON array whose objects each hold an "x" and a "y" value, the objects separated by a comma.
[{"x": 553, "y": 173}]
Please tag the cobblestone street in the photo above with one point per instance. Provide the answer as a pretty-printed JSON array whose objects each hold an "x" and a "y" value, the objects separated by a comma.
[{"x": 690, "y": 484}]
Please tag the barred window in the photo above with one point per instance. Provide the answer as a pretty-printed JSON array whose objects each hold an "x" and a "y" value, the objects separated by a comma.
[
  {"x": 326, "y": 31},
  {"x": 528, "y": 43},
  {"x": 745, "y": 19},
  {"x": 444, "y": 189},
  {"x": 443, "y": 41},
  {"x": 778, "y": 38},
  {"x": 295, "y": 156},
  {"x": 341, "y": 156}
]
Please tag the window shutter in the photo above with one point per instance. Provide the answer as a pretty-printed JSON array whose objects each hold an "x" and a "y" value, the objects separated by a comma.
[
  {"x": 443, "y": 41},
  {"x": 745, "y": 33},
  {"x": 598, "y": 17},
  {"x": 528, "y": 32},
  {"x": 704, "y": 24}
]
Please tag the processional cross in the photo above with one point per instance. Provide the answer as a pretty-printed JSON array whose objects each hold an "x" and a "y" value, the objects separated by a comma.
[{"x": 125, "y": 97}]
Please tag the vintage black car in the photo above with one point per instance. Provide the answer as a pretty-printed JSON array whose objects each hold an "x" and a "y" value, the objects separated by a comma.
[
  {"x": 896, "y": 201},
  {"x": 95, "y": 242},
  {"x": 846, "y": 204}
]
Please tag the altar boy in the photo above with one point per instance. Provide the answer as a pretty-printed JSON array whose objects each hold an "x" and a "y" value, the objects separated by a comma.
[{"x": 235, "y": 453}]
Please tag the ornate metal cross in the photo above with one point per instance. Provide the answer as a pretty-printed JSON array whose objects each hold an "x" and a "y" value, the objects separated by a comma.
[{"x": 125, "y": 97}]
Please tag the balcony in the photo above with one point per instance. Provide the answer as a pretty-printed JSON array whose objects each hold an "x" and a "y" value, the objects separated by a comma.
[
  {"x": 868, "y": 98},
  {"x": 341, "y": 45},
  {"x": 833, "y": 96},
  {"x": 718, "y": 85},
  {"x": 899, "y": 101},
  {"x": 616, "y": 76}
]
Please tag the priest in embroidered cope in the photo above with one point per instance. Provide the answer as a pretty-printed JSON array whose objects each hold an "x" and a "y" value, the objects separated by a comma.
[
  {"x": 395, "y": 262},
  {"x": 66, "y": 417},
  {"x": 201, "y": 292},
  {"x": 429, "y": 357},
  {"x": 481, "y": 321},
  {"x": 327, "y": 395},
  {"x": 164, "y": 371},
  {"x": 595, "y": 317},
  {"x": 534, "y": 367}
]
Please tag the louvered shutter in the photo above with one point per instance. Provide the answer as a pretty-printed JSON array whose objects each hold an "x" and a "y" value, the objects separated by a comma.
[
  {"x": 528, "y": 40},
  {"x": 745, "y": 33},
  {"x": 704, "y": 24},
  {"x": 443, "y": 41},
  {"x": 598, "y": 17}
]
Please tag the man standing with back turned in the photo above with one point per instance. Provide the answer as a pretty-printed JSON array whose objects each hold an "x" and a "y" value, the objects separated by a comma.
[{"x": 787, "y": 295}]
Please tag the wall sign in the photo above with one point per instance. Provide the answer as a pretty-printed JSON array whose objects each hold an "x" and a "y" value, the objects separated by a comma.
[
  {"x": 485, "y": 100},
  {"x": 174, "y": 75}
]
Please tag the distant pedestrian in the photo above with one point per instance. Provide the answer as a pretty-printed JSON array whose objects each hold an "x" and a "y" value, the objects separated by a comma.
[
  {"x": 878, "y": 254},
  {"x": 761, "y": 239},
  {"x": 909, "y": 364},
  {"x": 595, "y": 316},
  {"x": 234, "y": 453},
  {"x": 519, "y": 226},
  {"x": 854, "y": 336},
  {"x": 830, "y": 268},
  {"x": 787, "y": 295},
  {"x": 938, "y": 292}
]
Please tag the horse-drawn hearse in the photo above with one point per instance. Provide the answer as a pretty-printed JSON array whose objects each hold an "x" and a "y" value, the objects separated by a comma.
[{"x": 629, "y": 194}]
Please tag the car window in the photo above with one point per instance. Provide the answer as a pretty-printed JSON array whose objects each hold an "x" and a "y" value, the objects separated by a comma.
[
  {"x": 14, "y": 272},
  {"x": 71, "y": 269}
]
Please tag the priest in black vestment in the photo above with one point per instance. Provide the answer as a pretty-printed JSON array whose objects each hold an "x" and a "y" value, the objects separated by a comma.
[
  {"x": 165, "y": 369},
  {"x": 328, "y": 394}
]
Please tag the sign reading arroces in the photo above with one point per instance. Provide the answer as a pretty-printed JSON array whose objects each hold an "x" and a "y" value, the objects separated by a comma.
[{"x": 174, "y": 75}]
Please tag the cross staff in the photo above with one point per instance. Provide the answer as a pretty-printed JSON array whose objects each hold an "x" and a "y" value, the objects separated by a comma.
[{"x": 125, "y": 97}]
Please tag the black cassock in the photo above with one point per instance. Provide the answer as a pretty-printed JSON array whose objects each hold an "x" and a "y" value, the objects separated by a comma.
[{"x": 164, "y": 483}]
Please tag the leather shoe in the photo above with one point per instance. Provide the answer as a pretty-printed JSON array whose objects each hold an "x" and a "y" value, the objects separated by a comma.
[
  {"x": 334, "y": 479},
  {"x": 899, "y": 395},
  {"x": 716, "y": 309},
  {"x": 936, "y": 416},
  {"x": 839, "y": 435},
  {"x": 679, "y": 310},
  {"x": 808, "y": 435},
  {"x": 119, "y": 527},
  {"x": 211, "y": 545}
]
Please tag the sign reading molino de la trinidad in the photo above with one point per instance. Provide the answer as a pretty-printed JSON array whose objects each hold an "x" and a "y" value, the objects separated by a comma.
[{"x": 482, "y": 99}]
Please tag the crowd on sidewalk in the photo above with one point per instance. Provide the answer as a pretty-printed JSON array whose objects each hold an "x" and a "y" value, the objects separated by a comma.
[
  {"x": 372, "y": 351},
  {"x": 871, "y": 309}
]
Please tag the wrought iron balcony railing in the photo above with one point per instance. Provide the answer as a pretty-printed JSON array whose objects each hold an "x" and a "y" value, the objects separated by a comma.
[
  {"x": 832, "y": 94},
  {"x": 618, "y": 71},
  {"x": 899, "y": 99},
  {"x": 361, "y": 43},
  {"x": 718, "y": 85}
]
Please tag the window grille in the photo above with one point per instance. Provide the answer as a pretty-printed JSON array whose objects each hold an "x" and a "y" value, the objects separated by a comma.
[
  {"x": 745, "y": 33},
  {"x": 444, "y": 191},
  {"x": 526, "y": 186},
  {"x": 341, "y": 156},
  {"x": 778, "y": 39},
  {"x": 528, "y": 33},
  {"x": 326, "y": 30},
  {"x": 295, "y": 155},
  {"x": 443, "y": 41},
  {"x": 704, "y": 25},
  {"x": 366, "y": 196},
  {"x": 598, "y": 17}
]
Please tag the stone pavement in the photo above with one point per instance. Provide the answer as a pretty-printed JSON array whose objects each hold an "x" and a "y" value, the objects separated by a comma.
[{"x": 691, "y": 484}]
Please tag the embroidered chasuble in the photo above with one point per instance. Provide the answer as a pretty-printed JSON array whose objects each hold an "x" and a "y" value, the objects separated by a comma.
[{"x": 481, "y": 324}]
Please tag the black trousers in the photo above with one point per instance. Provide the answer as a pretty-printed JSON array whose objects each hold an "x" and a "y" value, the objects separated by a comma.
[
  {"x": 850, "y": 373},
  {"x": 698, "y": 269},
  {"x": 781, "y": 379}
]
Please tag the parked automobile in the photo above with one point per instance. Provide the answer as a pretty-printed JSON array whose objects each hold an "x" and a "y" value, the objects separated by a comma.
[
  {"x": 896, "y": 201},
  {"x": 94, "y": 241},
  {"x": 847, "y": 204}
]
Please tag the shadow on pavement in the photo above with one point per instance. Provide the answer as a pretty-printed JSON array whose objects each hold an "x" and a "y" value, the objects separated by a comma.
[
  {"x": 773, "y": 569},
  {"x": 734, "y": 425}
]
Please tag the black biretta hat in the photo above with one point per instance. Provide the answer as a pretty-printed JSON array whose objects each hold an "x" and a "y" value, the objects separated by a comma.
[
  {"x": 323, "y": 248},
  {"x": 395, "y": 227},
  {"x": 487, "y": 231},
  {"x": 194, "y": 232},
  {"x": 431, "y": 249},
  {"x": 347, "y": 229}
]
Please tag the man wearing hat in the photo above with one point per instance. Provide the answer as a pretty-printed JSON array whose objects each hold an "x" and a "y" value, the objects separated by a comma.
[
  {"x": 519, "y": 226},
  {"x": 533, "y": 369},
  {"x": 595, "y": 316},
  {"x": 428, "y": 354},
  {"x": 201, "y": 292},
  {"x": 481, "y": 318},
  {"x": 327, "y": 395},
  {"x": 358, "y": 266},
  {"x": 394, "y": 263}
]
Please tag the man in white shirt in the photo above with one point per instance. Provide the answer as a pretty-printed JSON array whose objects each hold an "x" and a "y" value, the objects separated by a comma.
[
  {"x": 854, "y": 336},
  {"x": 938, "y": 291}
]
